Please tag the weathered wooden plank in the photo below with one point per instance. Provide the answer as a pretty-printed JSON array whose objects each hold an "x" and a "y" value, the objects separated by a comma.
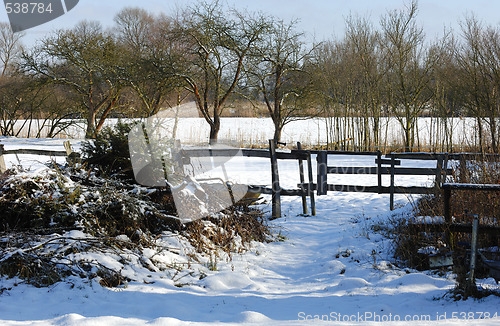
[
  {"x": 269, "y": 191},
  {"x": 206, "y": 152},
  {"x": 35, "y": 152},
  {"x": 291, "y": 192},
  {"x": 373, "y": 189},
  {"x": 3, "y": 167},
  {"x": 356, "y": 170},
  {"x": 382, "y": 170},
  {"x": 470, "y": 186},
  {"x": 302, "y": 179},
  {"x": 294, "y": 155},
  {"x": 276, "y": 199},
  {"x": 417, "y": 171},
  {"x": 453, "y": 227},
  {"x": 391, "y": 190},
  {"x": 311, "y": 182},
  {"x": 386, "y": 161},
  {"x": 378, "y": 161},
  {"x": 414, "y": 156},
  {"x": 414, "y": 190},
  {"x": 255, "y": 153},
  {"x": 345, "y": 153},
  {"x": 322, "y": 179},
  {"x": 260, "y": 190}
]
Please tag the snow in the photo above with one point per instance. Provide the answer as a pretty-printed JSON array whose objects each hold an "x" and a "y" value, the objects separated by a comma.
[
  {"x": 252, "y": 131},
  {"x": 332, "y": 268}
]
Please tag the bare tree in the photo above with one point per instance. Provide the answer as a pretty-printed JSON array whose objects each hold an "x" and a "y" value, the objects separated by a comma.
[
  {"x": 10, "y": 47},
  {"x": 153, "y": 53},
  {"x": 218, "y": 43},
  {"x": 278, "y": 73},
  {"x": 478, "y": 58},
  {"x": 365, "y": 58},
  {"x": 329, "y": 79},
  {"x": 87, "y": 60},
  {"x": 409, "y": 65}
]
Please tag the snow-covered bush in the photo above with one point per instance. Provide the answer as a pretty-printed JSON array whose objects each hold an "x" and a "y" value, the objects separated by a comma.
[{"x": 42, "y": 210}]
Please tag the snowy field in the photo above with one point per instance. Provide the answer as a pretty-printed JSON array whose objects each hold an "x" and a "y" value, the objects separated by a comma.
[
  {"x": 329, "y": 269},
  {"x": 257, "y": 131}
]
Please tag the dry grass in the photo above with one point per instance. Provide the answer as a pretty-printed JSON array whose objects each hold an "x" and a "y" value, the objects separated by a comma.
[{"x": 466, "y": 205}]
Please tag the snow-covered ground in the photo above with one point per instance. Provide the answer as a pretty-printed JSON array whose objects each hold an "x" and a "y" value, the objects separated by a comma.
[
  {"x": 332, "y": 268},
  {"x": 257, "y": 131}
]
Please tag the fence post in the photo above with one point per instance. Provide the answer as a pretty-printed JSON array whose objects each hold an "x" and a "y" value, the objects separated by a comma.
[
  {"x": 379, "y": 171},
  {"x": 310, "y": 191},
  {"x": 447, "y": 213},
  {"x": 445, "y": 168},
  {"x": 439, "y": 170},
  {"x": 3, "y": 167},
  {"x": 391, "y": 198},
  {"x": 471, "y": 282},
  {"x": 276, "y": 189},
  {"x": 301, "y": 173},
  {"x": 321, "y": 160},
  {"x": 67, "y": 147}
]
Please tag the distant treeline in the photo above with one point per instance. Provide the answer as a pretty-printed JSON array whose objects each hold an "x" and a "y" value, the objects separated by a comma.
[{"x": 221, "y": 57}]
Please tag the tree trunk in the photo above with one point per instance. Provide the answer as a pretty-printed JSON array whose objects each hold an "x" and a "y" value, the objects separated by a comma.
[
  {"x": 214, "y": 131},
  {"x": 493, "y": 131},
  {"x": 90, "y": 133},
  {"x": 480, "y": 134},
  {"x": 277, "y": 131}
]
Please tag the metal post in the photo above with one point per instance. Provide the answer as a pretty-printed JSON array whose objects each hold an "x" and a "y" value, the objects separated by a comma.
[
  {"x": 276, "y": 189},
  {"x": 301, "y": 174}
]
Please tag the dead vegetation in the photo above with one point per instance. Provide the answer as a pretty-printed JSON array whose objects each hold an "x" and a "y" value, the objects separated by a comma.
[
  {"x": 42, "y": 211},
  {"x": 413, "y": 246}
]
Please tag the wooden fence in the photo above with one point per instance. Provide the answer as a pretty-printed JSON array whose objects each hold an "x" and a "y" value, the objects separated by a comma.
[
  {"x": 390, "y": 165},
  {"x": 276, "y": 191},
  {"x": 29, "y": 151},
  {"x": 453, "y": 227}
]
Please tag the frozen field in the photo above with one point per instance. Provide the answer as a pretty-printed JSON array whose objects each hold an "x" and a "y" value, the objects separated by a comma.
[
  {"x": 330, "y": 269},
  {"x": 257, "y": 131}
]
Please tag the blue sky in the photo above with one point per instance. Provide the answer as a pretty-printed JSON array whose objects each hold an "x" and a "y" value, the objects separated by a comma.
[{"x": 320, "y": 19}]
